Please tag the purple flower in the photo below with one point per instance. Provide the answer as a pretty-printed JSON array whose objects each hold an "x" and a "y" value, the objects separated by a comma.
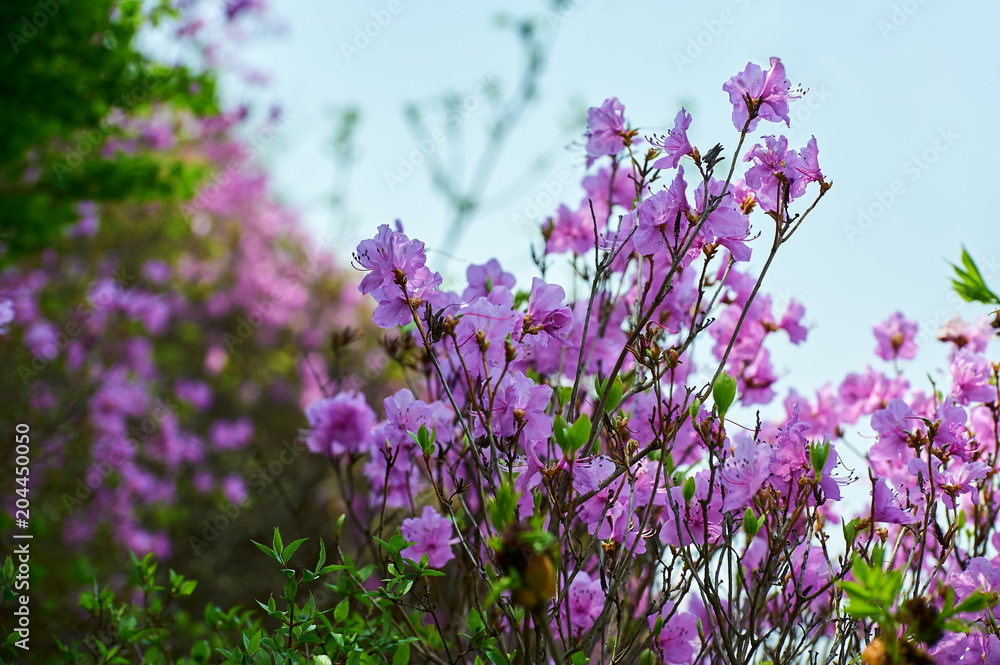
[
  {"x": 808, "y": 165},
  {"x": 776, "y": 172},
  {"x": 586, "y": 601},
  {"x": 791, "y": 322},
  {"x": 756, "y": 380},
  {"x": 605, "y": 125},
  {"x": 757, "y": 95},
  {"x": 547, "y": 315},
  {"x": 744, "y": 473},
  {"x": 676, "y": 639},
  {"x": 230, "y": 434},
  {"x": 605, "y": 193},
  {"x": 790, "y": 457},
  {"x": 659, "y": 216},
  {"x": 983, "y": 649},
  {"x": 431, "y": 533},
  {"x": 235, "y": 489},
  {"x": 482, "y": 279},
  {"x": 520, "y": 405},
  {"x": 979, "y": 575},
  {"x": 885, "y": 507},
  {"x": 971, "y": 374},
  {"x": 490, "y": 323},
  {"x": 569, "y": 231},
  {"x": 976, "y": 335},
  {"x": 236, "y": 7},
  {"x": 194, "y": 392},
  {"x": 6, "y": 315},
  {"x": 893, "y": 425},
  {"x": 675, "y": 144},
  {"x": 727, "y": 224},
  {"x": 340, "y": 424},
  {"x": 895, "y": 337},
  {"x": 691, "y": 526},
  {"x": 404, "y": 413},
  {"x": 41, "y": 339},
  {"x": 156, "y": 271},
  {"x": 391, "y": 257}
]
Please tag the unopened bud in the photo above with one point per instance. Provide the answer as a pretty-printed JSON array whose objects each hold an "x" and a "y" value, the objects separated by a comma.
[
  {"x": 481, "y": 340},
  {"x": 509, "y": 352}
]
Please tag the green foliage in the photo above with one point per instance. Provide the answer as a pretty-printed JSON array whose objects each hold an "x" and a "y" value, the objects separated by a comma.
[
  {"x": 62, "y": 81},
  {"x": 875, "y": 595},
  {"x": 614, "y": 393},
  {"x": 819, "y": 453},
  {"x": 573, "y": 437},
  {"x": 503, "y": 507},
  {"x": 969, "y": 282}
]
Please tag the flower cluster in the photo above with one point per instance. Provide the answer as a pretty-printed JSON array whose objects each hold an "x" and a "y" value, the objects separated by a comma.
[{"x": 563, "y": 436}]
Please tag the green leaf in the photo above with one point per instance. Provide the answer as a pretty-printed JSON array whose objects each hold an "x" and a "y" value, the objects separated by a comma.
[
  {"x": 187, "y": 587},
  {"x": 688, "y": 490},
  {"x": 503, "y": 507},
  {"x": 724, "y": 392},
  {"x": 254, "y": 644},
  {"x": 474, "y": 622},
  {"x": 289, "y": 550},
  {"x": 976, "y": 602},
  {"x": 970, "y": 285},
  {"x": 267, "y": 550},
  {"x": 402, "y": 655},
  {"x": 818, "y": 454},
  {"x": 341, "y": 612},
  {"x": 577, "y": 435},
  {"x": 397, "y": 543},
  {"x": 851, "y": 530},
  {"x": 559, "y": 432},
  {"x": 322, "y": 557},
  {"x": 563, "y": 394},
  {"x": 276, "y": 544},
  {"x": 614, "y": 397}
]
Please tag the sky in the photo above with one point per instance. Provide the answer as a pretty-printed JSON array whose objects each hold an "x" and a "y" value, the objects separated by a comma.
[{"x": 901, "y": 98}]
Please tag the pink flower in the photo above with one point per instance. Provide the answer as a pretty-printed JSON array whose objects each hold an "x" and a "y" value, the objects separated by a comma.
[
  {"x": 885, "y": 507},
  {"x": 692, "y": 526},
  {"x": 895, "y": 338},
  {"x": 547, "y": 316},
  {"x": 235, "y": 489},
  {"x": 791, "y": 322},
  {"x": 744, "y": 473},
  {"x": 676, "y": 640},
  {"x": 340, "y": 424},
  {"x": 893, "y": 425},
  {"x": 519, "y": 406},
  {"x": 675, "y": 144},
  {"x": 757, "y": 95},
  {"x": 976, "y": 335},
  {"x": 483, "y": 278},
  {"x": 971, "y": 374},
  {"x": 431, "y": 533},
  {"x": 605, "y": 125},
  {"x": 390, "y": 257},
  {"x": 570, "y": 231},
  {"x": 6, "y": 315},
  {"x": 231, "y": 434},
  {"x": 662, "y": 223},
  {"x": 586, "y": 600}
]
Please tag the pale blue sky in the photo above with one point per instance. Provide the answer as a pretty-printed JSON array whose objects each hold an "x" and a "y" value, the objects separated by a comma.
[{"x": 890, "y": 82}]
